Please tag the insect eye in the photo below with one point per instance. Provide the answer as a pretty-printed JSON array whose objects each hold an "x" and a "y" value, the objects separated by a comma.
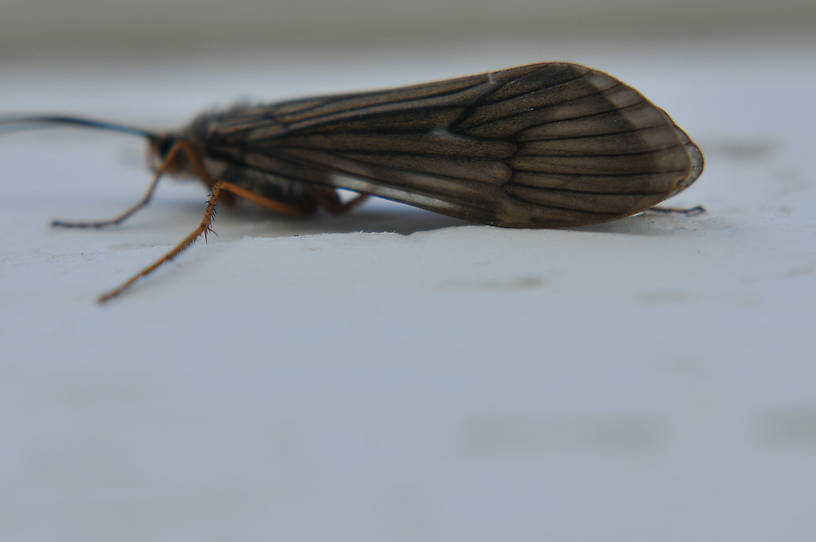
[{"x": 164, "y": 145}]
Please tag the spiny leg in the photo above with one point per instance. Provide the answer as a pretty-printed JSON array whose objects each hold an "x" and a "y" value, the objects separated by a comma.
[
  {"x": 219, "y": 189},
  {"x": 204, "y": 228},
  {"x": 178, "y": 147},
  {"x": 691, "y": 211}
]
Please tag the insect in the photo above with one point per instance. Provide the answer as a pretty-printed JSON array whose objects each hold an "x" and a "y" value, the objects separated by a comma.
[{"x": 542, "y": 145}]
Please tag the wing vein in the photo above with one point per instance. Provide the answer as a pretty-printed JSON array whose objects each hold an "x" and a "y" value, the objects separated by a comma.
[
  {"x": 559, "y": 207},
  {"x": 600, "y": 154},
  {"x": 562, "y": 103},
  {"x": 384, "y": 168},
  {"x": 594, "y": 136}
]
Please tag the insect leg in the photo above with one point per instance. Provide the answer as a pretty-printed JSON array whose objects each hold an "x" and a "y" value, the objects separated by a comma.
[
  {"x": 691, "y": 211},
  {"x": 203, "y": 229},
  {"x": 171, "y": 155},
  {"x": 219, "y": 190},
  {"x": 277, "y": 206}
]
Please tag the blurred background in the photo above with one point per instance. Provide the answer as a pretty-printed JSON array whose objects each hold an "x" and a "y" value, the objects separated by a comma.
[
  {"x": 393, "y": 374},
  {"x": 31, "y": 25}
]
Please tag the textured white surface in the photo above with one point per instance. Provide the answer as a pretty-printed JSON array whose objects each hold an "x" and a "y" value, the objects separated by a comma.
[{"x": 397, "y": 375}]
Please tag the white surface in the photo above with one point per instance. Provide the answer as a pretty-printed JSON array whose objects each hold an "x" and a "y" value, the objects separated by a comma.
[{"x": 396, "y": 375}]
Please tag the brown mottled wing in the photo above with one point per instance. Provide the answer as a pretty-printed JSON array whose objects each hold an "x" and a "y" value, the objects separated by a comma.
[{"x": 541, "y": 145}]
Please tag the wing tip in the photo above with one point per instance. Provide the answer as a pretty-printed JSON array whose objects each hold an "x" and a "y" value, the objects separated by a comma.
[{"x": 696, "y": 161}]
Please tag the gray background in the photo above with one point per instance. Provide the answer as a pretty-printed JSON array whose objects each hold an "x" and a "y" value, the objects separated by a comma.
[{"x": 34, "y": 24}]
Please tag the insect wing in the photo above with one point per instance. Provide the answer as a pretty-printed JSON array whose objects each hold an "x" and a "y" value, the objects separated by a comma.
[{"x": 542, "y": 145}]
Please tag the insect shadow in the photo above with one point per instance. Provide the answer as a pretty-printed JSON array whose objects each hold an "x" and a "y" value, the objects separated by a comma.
[
  {"x": 645, "y": 224},
  {"x": 390, "y": 217},
  {"x": 375, "y": 217}
]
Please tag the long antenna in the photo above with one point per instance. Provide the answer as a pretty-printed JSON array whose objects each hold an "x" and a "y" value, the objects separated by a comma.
[{"x": 73, "y": 121}]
